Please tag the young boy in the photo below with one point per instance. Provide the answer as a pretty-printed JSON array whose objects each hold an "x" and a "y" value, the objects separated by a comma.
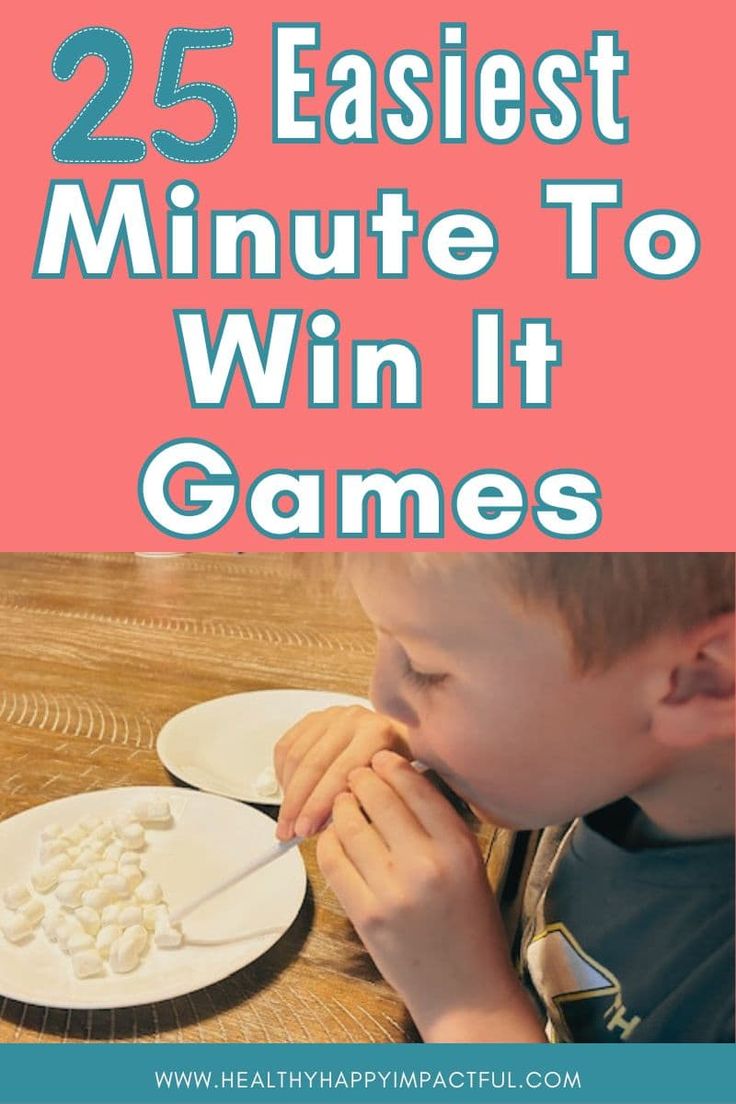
[{"x": 544, "y": 688}]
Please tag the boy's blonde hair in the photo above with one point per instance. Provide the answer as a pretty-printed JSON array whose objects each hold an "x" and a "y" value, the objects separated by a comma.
[
  {"x": 613, "y": 601},
  {"x": 610, "y": 602}
]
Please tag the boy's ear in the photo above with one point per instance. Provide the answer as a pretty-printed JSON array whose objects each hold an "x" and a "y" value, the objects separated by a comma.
[{"x": 699, "y": 707}]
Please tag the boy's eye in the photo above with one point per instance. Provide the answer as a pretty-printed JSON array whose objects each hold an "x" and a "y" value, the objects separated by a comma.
[{"x": 423, "y": 679}]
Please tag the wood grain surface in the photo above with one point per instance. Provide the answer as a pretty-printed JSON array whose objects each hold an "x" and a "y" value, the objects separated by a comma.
[{"x": 96, "y": 652}]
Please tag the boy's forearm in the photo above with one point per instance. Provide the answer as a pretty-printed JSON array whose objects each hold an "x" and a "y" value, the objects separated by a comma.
[{"x": 512, "y": 1020}]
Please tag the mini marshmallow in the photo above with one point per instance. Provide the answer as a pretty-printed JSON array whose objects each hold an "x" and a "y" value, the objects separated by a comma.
[
  {"x": 132, "y": 875},
  {"x": 33, "y": 912},
  {"x": 129, "y": 915},
  {"x": 110, "y": 914},
  {"x": 106, "y": 937},
  {"x": 167, "y": 936},
  {"x": 122, "y": 820},
  {"x": 113, "y": 852},
  {"x": 17, "y": 895},
  {"x": 115, "y": 884},
  {"x": 86, "y": 857},
  {"x": 71, "y": 893},
  {"x": 74, "y": 874},
  {"x": 44, "y": 878},
  {"x": 59, "y": 863},
  {"x": 89, "y": 823},
  {"x": 80, "y": 941},
  {"x": 107, "y": 866},
  {"x": 96, "y": 899},
  {"x": 123, "y": 959},
  {"x": 149, "y": 892},
  {"x": 66, "y": 928},
  {"x": 103, "y": 831},
  {"x": 51, "y": 849},
  {"x": 130, "y": 858},
  {"x": 89, "y": 919},
  {"x": 136, "y": 936},
  {"x": 16, "y": 928},
  {"x": 266, "y": 784},
  {"x": 154, "y": 916},
  {"x": 155, "y": 811},
  {"x": 87, "y": 879},
  {"x": 51, "y": 831},
  {"x": 134, "y": 837},
  {"x": 87, "y": 964},
  {"x": 73, "y": 835},
  {"x": 125, "y": 953}
]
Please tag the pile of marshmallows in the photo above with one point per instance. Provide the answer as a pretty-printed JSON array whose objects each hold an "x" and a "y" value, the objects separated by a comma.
[{"x": 105, "y": 909}]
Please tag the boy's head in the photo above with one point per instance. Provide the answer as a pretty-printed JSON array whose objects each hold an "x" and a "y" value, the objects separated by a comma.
[{"x": 545, "y": 685}]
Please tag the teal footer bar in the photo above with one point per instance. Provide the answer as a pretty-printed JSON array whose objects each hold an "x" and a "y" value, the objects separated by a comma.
[{"x": 122, "y": 1073}]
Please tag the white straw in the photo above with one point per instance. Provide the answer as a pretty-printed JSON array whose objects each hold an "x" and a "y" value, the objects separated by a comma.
[{"x": 275, "y": 851}]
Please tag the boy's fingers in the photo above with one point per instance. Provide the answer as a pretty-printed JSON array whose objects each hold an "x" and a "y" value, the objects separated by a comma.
[
  {"x": 285, "y": 744},
  {"x": 433, "y": 812},
  {"x": 310, "y": 748},
  {"x": 389, "y": 814},
  {"x": 358, "y": 753},
  {"x": 341, "y": 875},
  {"x": 296, "y": 754},
  {"x": 314, "y": 722},
  {"x": 318, "y": 805},
  {"x": 307, "y": 775},
  {"x": 303, "y": 736},
  {"x": 360, "y": 841}
]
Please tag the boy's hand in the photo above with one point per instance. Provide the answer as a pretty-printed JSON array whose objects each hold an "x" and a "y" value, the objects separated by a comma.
[
  {"x": 314, "y": 758},
  {"x": 410, "y": 877}
]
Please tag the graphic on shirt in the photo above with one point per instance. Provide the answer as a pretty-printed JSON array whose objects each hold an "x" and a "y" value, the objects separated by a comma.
[{"x": 568, "y": 980}]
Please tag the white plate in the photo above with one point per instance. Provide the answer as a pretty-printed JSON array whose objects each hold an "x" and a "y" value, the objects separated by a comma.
[
  {"x": 223, "y": 745},
  {"x": 210, "y": 838}
]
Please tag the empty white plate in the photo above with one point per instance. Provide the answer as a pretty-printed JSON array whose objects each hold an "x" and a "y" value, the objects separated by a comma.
[
  {"x": 209, "y": 840},
  {"x": 225, "y": 744}
]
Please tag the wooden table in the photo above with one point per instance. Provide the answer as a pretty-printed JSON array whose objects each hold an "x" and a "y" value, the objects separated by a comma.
[{"x": 96, "y": 652}]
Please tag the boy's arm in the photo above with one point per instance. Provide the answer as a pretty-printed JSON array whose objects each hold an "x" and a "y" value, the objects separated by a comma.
[{"x": 410, "y": 877}]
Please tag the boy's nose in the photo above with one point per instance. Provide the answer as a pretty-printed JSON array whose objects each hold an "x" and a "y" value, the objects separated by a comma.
[{"x": 386, "y": 700}]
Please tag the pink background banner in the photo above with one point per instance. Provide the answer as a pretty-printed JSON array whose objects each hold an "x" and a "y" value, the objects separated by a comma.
[{"x": 643, "y": 399}]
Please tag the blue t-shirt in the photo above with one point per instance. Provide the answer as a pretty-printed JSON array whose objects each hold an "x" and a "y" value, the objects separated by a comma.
[{"x": 626, "y": 944}]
